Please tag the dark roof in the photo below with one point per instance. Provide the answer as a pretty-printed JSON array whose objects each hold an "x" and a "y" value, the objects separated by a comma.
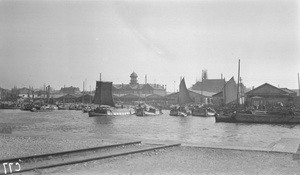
[
  {"x": 209, "y": 85},
  {"x": 281, "y": 91},
  {"x": 288, "y": 90},
  {"x": 69, "y": 96},
  {"x": 203, "y": 93},
  {"x": 137, "y": 86}
]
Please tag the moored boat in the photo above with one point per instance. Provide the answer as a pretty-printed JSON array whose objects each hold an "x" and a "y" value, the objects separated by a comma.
[
  {"x": 62, "y": 107},
  {"x": 42, "y": 109},
  {"x": 180, "y": 111},
  {"x": 103, "y": 97},
  {"x": 273, "y": 115},
  {"x": 87, "y": 109},
  {"x": 105, "y": 110},
  {"x": 203, "y": 111},
  {"x": 259, "y": 118},
  {"x": 146, "y": 110},
  {"x": 183, "y": 99},
  {"x": 9, "y": 106},
  {"x": 284, "y": 115}
]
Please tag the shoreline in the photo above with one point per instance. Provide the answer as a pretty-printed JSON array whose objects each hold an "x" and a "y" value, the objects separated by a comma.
[
  {"x": 185, "y": 159},
  {"x": 18, "y": 144}
]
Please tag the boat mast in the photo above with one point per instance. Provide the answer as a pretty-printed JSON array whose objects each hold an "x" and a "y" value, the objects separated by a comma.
[
  {"x": 44, "y": 93},
  {"x": 224, "y": 92},
  {"x": 64, "y": 95},
  {"x": 202, "y": 88},
  {"x": 82, "y": 101},
  {"x": 238, "y": 86},
  {"x": 298, "y": 84},
  {"x": 90, "y": 95}
]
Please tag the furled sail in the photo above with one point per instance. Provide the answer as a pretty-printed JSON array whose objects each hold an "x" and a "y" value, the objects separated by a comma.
[
  {"x": 103, "y": 93},
  {"x": 184, "y": 96}
]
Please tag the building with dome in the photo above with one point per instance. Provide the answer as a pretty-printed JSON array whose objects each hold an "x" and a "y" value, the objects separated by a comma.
[{"x": 134, "y": 91}]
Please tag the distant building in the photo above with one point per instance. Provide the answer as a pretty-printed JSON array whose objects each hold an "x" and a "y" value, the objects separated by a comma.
[
  {"x": 70, "y": 90},
  {"x": 85, "y": 98},
  {"x": 3, "y": 93},
  {"x": 201, "y": 97},
  {"x": 138, "y": 92},
  {"x": 68, "y": 98},
  {"x": 24, "y": 92},
  {"x": 267, "y": 94},
  {"x": 209, "y": 85}
]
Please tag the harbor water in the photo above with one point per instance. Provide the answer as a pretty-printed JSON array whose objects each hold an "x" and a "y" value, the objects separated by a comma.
[{"x": 192, "y": 130}]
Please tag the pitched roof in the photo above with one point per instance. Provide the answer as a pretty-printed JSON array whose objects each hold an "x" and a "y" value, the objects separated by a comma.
[
  {"x": 267, "y": 89},
  {"x": 288, "y": 91},
  {"x": 204, "y": 93},
  {"x": 137, "y": 86},
  {"x": 209, "y": 85}
]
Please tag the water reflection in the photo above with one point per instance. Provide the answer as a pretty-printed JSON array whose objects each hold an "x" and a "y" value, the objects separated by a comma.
[{"x": 103, "y": 120}]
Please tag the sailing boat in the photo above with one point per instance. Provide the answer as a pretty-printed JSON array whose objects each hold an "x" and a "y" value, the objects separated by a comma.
[
  {"x": 183, "y": 99},
  {"x": 283, "y": 116},
  {"x": 63, "y": 107},
  {"x": 103, "y": 97},
  {"x": 229, "y": 97}
]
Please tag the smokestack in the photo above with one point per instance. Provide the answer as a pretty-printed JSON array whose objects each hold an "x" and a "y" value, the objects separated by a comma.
[
  {"x": 145, "y": 79},
  {"x": 221, "y": 76}
]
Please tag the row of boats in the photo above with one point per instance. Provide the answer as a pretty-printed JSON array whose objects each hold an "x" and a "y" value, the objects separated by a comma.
[
  {"x": 103, "y": 97},
  {"x": 277, "y": 115},
  {"x": 105, "y": 106}
]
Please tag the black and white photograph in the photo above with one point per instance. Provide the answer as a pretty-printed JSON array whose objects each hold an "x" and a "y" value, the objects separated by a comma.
[{"x": 134, "y": 87}]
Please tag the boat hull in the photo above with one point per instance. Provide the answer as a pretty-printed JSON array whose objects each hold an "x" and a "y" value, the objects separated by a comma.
[
  {"x": 10, "y": 107},
  {"x": 42, "y": 110},
  {"x": 63, "y": 107},
  {"x": 178, "y": 113},
  {"x": 259, "y": 118},
  {"x": 146, "y": 113},
  {"x": 203, "y": 114},
  {"x": 110, "y": 113}
]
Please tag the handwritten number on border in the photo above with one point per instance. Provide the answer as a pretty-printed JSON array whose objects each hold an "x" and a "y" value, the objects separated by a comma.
[{"x": 10, "y": 167}]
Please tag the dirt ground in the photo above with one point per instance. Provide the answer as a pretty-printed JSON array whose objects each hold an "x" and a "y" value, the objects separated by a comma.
[{"x": 187, "y": 160}]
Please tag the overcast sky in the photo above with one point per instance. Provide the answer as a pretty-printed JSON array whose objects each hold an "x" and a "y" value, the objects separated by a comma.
[{"x": 67, "y": 42}]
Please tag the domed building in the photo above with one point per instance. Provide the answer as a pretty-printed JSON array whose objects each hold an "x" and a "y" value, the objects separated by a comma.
[{"x": 134, "y": 91}]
